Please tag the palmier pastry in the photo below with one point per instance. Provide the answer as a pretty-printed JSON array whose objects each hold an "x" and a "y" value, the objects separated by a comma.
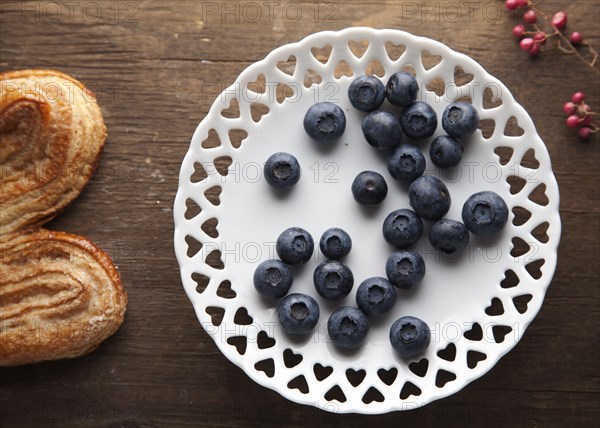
[
  {"x": 60, "y": 295},
  {"x": 52, "y": 133}
]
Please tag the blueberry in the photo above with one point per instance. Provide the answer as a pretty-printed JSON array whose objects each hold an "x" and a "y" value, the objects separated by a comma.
[
  {"x": 429, "y": 197},
  {"x": 410, "y": 336},
  {"x": 375, "y": 296},
  {"x": 405, "y": 268},
  {"x": 382, "y": 130},
  {"x": 335, "y": 243},
  {"x": 460, "y": 119},
  {"x": 369, "y": 188},
  {"x": 333, "y": 280},
  {"x": 448, "y": 235},
  {"x": 418, "y": 120},
  {"x": 325, "y": 121},
  {"x": 366, "y": 93},
  {"x": 406, "y": 163},
  {"x": 282, "y": 170},
  {"x": 402, "y": 228},
  {"x": 485, "y": 213},
  {"x": 295, "y": 246},
  {"x": 347, "y": 327},
  {"x": 445, "y": 151},
  {"x": 402, "y": 89},
  {"x": 273, "y": 279},
  {"x": 298, "y": 313}
]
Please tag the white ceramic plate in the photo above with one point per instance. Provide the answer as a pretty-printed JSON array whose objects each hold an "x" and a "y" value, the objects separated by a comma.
[{"x": 474, "y": 304}]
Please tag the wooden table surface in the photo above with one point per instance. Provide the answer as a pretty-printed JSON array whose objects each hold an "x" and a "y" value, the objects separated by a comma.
[{"x": 156, "y": 67}]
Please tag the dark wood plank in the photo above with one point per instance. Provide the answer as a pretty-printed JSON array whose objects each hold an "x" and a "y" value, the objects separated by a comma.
[{"x": 156, "y": 67}]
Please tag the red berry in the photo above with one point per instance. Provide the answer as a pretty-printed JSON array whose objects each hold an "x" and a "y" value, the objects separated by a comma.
[
  {"x": 540, "y": 37},
  {"x": 569, "y": 108},
  {"x": 586, "y": 121},
  {"x": 526, "y": 44},
  {"x": 585, "y": 132},
  {"x": 530, "y": 17},
  {"x": 578, "y": 97},
  {"x": 586, "y": 107},
  {"x": 511, "y": 4},
  {"x": 535, "y": 50},
  {"x": 522, "y": 3},
  {"x": 519, "y": 30},
  {"x": 559, "y": 20},
  {"x": 576, "y": 38},
  {"x": 573, "y": 121}
]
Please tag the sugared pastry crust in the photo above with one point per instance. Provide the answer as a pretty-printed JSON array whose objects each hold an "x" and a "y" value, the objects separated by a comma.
[
  {"x": 60, "y": 297},
  {"x": 51, "y": 134}
]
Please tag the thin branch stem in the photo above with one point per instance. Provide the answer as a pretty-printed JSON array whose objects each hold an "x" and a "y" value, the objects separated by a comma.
[{"x": 568, "y": 46}]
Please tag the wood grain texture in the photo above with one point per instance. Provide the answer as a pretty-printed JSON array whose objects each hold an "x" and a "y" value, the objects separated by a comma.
[{"x": 156, "y": 67}]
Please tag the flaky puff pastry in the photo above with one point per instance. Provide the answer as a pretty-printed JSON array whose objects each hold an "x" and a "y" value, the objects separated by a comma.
[
  {"x": 51, "y": 134},
  {"x": 60, "y": 295}
]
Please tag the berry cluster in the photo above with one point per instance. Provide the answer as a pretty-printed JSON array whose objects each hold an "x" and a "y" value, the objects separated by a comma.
[
  {"x": 347, "y": 326},
  {"x": 534, "y": 39},
  {"x": 484, "y": 213},
  {"x": 579, "y": 115}
]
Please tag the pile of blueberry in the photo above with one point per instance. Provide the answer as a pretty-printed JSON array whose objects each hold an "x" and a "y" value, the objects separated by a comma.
[{"x": 484, "y": 213}]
